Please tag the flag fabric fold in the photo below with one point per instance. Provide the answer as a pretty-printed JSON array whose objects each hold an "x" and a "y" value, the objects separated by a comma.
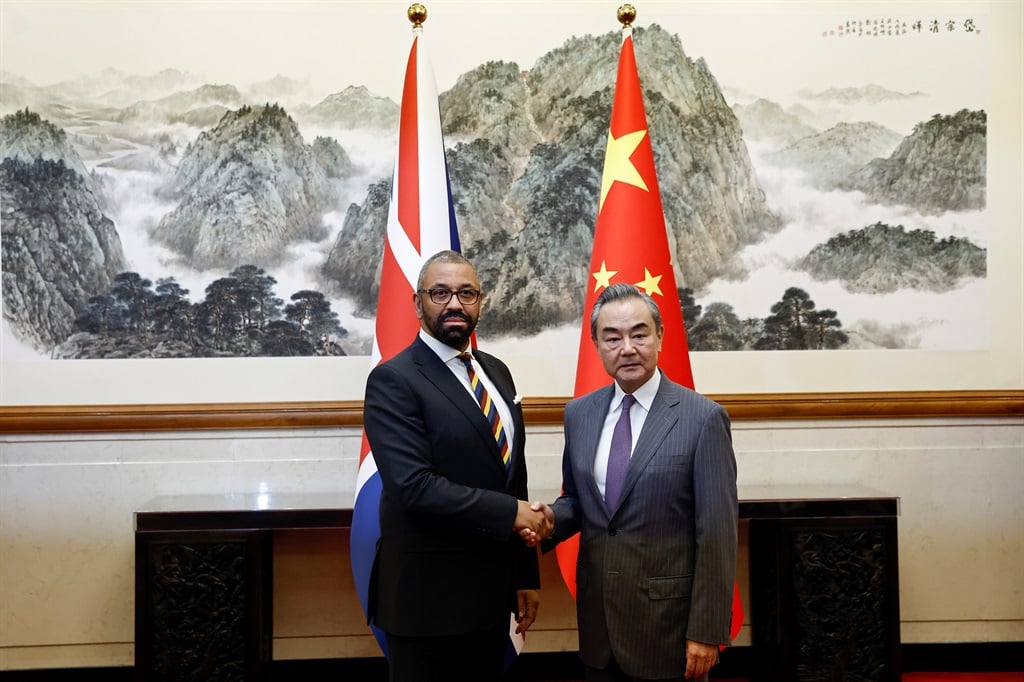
[{"x": 630, "y": 245}]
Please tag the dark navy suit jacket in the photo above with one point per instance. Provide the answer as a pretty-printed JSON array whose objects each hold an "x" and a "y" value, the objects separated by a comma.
[{"x": 448, "y": 561}]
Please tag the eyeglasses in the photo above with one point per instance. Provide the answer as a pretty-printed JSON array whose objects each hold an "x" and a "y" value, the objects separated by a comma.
[{"x": 442, "y": 296}]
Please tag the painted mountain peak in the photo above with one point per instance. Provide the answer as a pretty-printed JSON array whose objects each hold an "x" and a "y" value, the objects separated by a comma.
[
  {"x": 250, "y": 188},
  {"x": 526, "y": 174},
  {"x": 58, "y": 248},
  {"x": 940, "y": 167}
]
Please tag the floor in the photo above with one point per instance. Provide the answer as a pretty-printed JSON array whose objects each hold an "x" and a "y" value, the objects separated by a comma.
[
  {"x": 916, "y": 677},
  {"x": 963, "y": 677}
]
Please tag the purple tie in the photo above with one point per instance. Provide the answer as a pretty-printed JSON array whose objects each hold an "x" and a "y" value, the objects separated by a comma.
[{"x": 618, "y": 456}]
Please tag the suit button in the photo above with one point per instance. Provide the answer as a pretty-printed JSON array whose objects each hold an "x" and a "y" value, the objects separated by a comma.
[{"x": 613, "y": 531}]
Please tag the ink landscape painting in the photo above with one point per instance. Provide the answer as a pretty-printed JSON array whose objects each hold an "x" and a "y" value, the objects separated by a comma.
[{"x": 195, "y": 180}]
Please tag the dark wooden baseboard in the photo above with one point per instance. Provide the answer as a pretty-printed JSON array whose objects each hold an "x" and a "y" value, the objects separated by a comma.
[
  {"x": 118, "y": 674},
  {"x": 538, "y": 667},
  {"x": 976, "y": 657},
  {"x": 546, "y": 667}
]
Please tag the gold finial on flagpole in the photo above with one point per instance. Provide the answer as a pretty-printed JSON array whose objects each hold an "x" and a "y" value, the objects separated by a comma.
[
  {"x": 417, "y": 15},
  {"x": 627, "y": 15}
]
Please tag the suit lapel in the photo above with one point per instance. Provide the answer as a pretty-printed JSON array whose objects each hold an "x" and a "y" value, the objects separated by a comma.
[
  {"x": 588, "y": 434},
  {"x": 659, "y": 422},
  {"x": 437, "y": 373},
  {"x": 506, "y": 391}
]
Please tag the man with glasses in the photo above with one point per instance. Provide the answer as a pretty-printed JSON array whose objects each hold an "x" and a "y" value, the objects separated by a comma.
[{"x": 447, "y": 434}]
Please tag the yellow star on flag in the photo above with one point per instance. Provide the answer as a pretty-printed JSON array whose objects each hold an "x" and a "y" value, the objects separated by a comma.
[
  {"x": 603, "y": 277},
  {"x": 617, "y": 166},
  {"x": 650, "y": 283}
]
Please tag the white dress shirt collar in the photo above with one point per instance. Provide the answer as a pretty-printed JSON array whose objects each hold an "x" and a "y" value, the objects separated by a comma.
[
  {"x": 644, "y": 395},
  {"x": 443, "y": 350}
]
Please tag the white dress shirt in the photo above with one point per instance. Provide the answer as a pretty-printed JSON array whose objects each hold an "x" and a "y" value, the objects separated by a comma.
[
  {"x": 450, "y": 357},
  {"x": 637, "y": 416}
]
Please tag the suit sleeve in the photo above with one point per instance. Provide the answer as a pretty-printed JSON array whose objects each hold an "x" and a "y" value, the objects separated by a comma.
[
  {"x": 567, "y": 506},
  {"x": 395, "y": 422},
  {"x": 717, "y": 512},
  {"x": 527, "y": 566}
]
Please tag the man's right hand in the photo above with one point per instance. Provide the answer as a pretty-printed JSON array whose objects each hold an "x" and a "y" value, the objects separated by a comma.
[{"x": 538, "y": 522}]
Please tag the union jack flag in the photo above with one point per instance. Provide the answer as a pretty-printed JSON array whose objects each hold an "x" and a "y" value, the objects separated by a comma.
[{"x": 421, "y": 222}]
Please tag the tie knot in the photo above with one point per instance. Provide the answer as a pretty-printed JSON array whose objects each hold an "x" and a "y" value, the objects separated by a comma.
[
  {"x": 627, "y": 402},
  {"x": 466, "y": 358}
]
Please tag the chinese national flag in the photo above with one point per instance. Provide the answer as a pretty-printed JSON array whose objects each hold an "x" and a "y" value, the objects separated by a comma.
[{"x": 631, "y": 245}]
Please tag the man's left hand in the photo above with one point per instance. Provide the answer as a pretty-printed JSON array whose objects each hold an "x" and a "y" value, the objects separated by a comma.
[
  {"x": 699, "y": 658},
  {"x": 529, "y": 600}
]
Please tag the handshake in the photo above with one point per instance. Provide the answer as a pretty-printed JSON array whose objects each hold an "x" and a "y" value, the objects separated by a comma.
[{"x": 534, "y": 522}]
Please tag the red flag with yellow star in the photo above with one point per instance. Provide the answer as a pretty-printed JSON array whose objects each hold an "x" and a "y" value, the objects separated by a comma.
[
  {"x": 631, "y": 245},
  {"x": 630, "y": 241}
]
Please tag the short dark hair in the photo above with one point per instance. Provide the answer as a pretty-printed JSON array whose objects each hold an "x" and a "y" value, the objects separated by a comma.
[
  {"x": 446, "y": 256},
  {"x": 622, "y": 292}
]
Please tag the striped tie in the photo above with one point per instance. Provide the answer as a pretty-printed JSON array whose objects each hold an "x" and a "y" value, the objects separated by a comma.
[{"x": 488, "y": 406}]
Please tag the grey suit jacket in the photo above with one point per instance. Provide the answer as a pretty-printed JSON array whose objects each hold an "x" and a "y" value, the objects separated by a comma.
[
  {"x": 660, "y": 569},
  {"x": 447, "y": 562}
]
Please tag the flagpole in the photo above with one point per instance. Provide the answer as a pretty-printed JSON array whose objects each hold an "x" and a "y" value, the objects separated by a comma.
[
  {"x": 626, "y": 15},
  {"x": 417, "y": 14}
]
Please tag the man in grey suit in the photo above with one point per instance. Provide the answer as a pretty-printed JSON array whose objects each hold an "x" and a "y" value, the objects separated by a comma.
[{"x": 657, "y": 555}]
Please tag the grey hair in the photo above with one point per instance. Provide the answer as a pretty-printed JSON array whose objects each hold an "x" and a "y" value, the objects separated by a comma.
[
  {"x": 447, "y": 256},
  {"x": 622, "y": 292}
]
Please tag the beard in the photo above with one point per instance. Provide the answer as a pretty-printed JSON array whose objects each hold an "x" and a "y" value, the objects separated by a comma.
[{"x": 454, "y": 336}]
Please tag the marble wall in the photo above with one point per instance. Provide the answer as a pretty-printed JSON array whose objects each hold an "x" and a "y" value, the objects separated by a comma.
[{"x": 67, "y": 546}]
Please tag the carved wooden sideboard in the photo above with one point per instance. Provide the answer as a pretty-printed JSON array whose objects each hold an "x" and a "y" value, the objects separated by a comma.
[
  {"x": 204, "y": 581},
  {"x": 824, "y": 584},
  {"x": 823, "y": 569}
]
